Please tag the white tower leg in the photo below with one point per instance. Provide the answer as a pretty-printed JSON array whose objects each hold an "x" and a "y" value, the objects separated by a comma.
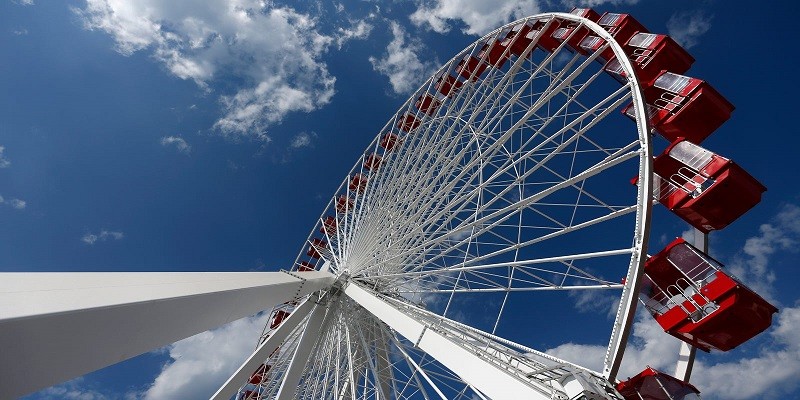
[
  {"x": 58, "y": 326},
  {"x": 292, "y": 376},
  {"x": 263, "y": 351}
]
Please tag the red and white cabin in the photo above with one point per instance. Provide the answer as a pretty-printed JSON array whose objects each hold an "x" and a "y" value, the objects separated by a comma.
[
  {"x": 694, "y": 300},
  {"x": 372, "y": 162},
  {"x": 522, "y": 34},
  {"x": 573, "y": 32},
  {"x": 328, "y": 226},
  {"x": 389, "y": 141},
  {"x": 316, "y": 247},
  {"x": 494, "y": 53},
  {"x": 278, "y": 318},
  {"x": 344, "y": 204},
  {"x": 447, "y": 84},
  {"x": 684, "y": 107},
  {"x": 704, "y": 189},
  {"x": 427, "y": 104},
  {"x": 651, "y": 384},
  {"x": 651, "y": 54},
  {"x": 408, "y": 122},
  {"x": 258, "y": 376},
  {"x": 358, "y": 183},
  {"x": 471, "y": 67},
  {"x": 621, "y": 26}
]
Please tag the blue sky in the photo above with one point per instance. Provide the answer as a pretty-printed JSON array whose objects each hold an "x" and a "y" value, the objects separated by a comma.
[{"x": 129, "y": 143}]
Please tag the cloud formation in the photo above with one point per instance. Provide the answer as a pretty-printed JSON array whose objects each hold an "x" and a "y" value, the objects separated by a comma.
[
  {"x": 274, "y": 51},
  {"x": 302, "y": 139},
  {"x": 401, "y": 62},
  {"x": 4, "y": 162},
  {"x": 476, "y": 17},
  {"x": 687, "y": 27},
  {"x": 180, "y": 144},
  {"x": 201, "y": 363},
  {"x": 782, "y": 233},
  {"x": 103, "y": 235},
  {"x": 14, "y": 203}
]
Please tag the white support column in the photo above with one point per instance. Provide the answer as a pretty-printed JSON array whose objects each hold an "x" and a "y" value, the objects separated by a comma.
[
  {"x": 58, "y": 326},
  {"x": 231, "y": 386},
  {"x": 687, "y": 352},
  {"x": 311, "y": 333},
  {"x": 488, "y": 377}
]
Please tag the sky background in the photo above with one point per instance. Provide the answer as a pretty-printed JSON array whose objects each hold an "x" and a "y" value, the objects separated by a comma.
[{"x": 158, "y": 135}]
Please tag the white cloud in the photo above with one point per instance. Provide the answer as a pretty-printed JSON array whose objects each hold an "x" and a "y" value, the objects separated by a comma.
[
  {"x": 358, "y": 30},
  {"x": 180, "y": 144},
  {"x": 401, "y": 62},
  {"x": 595, "y": 3},
  {"x": 20, "y": 32},
  {"x": 23, "y": 2},
  {"x": 302, "y": 139},
  {"x": 4, "y": 162},
  {"x": 687, "y": 27},
  {"x": 14, "y": 203},
  {"x": 201, "y": 363},
  {"x": 71, "y": 390},
  {"x": 275, "y": 51},
  {"x": 752, "y": 265},
  {"x": 91, "y": 238},
  {"x": 477, "y": 16}
]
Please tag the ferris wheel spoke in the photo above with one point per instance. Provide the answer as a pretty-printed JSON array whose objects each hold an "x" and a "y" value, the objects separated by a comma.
[{"x": 533, "y": 169}]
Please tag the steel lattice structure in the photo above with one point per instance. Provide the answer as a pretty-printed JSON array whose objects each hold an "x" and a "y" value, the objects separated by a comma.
[{"x": 515, "y": 185}]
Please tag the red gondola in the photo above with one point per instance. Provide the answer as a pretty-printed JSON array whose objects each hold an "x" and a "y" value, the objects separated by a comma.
[
  {"x": 704, "y": 189},
  {"x": 471, "y": 68},
  {"x": 494, "y": 53},
  {"x": 427, "y": 104},
  {"x": 574, "y": 31},
  {"x": 278, "y": 318},
  {"x": 522, "y": 34},
  {"x": 358, "y": 183},
  {"x": 651, "y": 384},
  {"x": 447, "y": 84},
  {"x": 389, "y": 141},
  {"x": 372, "y": 162},
  {"x": 328, "y": 226},
  {"x": 694, "y": 300},
  {"x": 408, "y": 122},
  {"x": 621, "y": 26},
  {"x": 685, "y": 107},
  {"x": 305, "y": 266},
  {"x": 316, "y": 247},
  {"x": 651, "y": 54},
  {"x": 344, "y": 204},
  {"x": 258, "y": 376}
]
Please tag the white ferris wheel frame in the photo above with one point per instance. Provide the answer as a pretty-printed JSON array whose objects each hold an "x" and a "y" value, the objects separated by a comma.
[{"x": 69, "y": 324}]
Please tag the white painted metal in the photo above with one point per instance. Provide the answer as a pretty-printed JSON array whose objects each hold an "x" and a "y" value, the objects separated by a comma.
[
  {"x": 307, "y": 342},
  {"x": 57, "y": 326},
  {"x": 687, "y": 352},
  {"x": 486, "y": 376},
  {"x": 231, "y": 386}
]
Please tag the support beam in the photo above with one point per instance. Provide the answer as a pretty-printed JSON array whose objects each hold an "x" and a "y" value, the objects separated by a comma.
[
  {"x": 311, "y": 333},
  {"x": 58, "y": 326},
  {"x": 687, "y": 352},
  {"x": 231, "y": 386},
  {"x": 488, "y": 377}
]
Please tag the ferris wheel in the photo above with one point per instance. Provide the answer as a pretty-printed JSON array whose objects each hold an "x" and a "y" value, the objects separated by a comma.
[{"x": 507, "y": 187}]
